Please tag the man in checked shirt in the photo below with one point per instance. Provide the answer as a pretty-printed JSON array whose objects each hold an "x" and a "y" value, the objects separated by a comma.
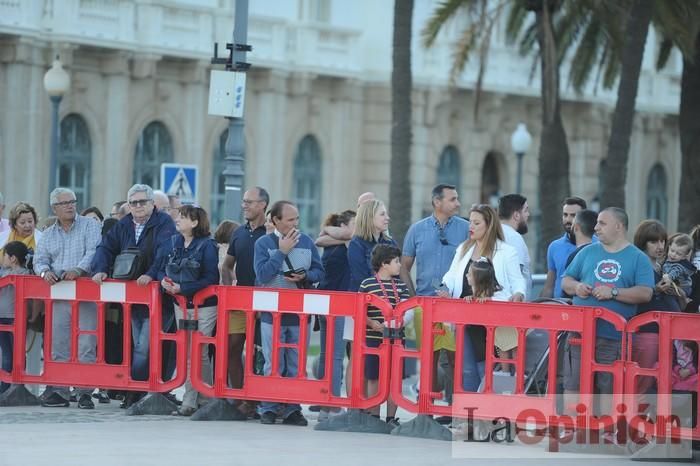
[{"x": 64, "y": 252}]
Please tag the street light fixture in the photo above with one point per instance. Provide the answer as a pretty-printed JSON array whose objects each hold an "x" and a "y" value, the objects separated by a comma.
[
  {"x": 56, "y": 83},
  {"x": 520, "y": 142}
]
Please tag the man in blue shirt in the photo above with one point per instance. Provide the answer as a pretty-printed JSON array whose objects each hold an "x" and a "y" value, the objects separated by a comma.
[
  {"x": 432, "y": 243},
  {"x": 560, "y": 249},
  {"x": 284, "y": 259},
  {"x": 613, "y": 274}
]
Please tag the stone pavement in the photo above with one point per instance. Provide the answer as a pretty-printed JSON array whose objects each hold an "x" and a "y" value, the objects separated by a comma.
[{"x": 105, "y": 436}]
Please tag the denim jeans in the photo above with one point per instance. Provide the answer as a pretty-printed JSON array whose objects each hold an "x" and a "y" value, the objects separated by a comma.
[
  {"x": 288, "y": 363},
  {"x": 338, "y": 354},
  {"x": 472, "y": 371},
  {"x": 6, "y": 345},
  {"x": 140, "y": 336}
]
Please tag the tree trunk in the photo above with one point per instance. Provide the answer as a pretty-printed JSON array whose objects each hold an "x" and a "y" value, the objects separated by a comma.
[
  {"x": 553, "y": 181},
  {"x": 401, "y": 134},
  {"x": 689, "y": 128},
  {"x": 615, "y": 175}
]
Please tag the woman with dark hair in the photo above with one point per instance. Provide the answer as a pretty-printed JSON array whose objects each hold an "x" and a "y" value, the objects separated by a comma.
[
  {"x": 192, "y": 265},
  {"x": 486, "y": 240},
  {"x": 650, "y": 237},
  {"x": 94, "y": 213},
  {"x": 337, "y": 278}
]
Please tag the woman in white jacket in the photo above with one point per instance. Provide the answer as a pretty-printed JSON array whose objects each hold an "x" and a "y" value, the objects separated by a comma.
[{"x": 485, "y": 240}]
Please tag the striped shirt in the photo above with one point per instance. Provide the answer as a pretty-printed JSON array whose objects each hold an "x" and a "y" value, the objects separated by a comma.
[
  {"x": 394, "y": 291},
  {"x": 138, "y": 229}
]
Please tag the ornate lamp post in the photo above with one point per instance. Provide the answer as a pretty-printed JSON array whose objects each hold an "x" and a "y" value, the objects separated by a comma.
[
  {"x": 520, "y": 142},
  {"x": 56, "y": 83}
]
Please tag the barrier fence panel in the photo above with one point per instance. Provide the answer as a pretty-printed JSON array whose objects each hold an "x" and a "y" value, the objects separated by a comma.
[
  {"x": 79, "y": 298},
  {"x": 514, "y": 403},
  {"x": 654, "y": 384},
  {"x": 304, "y": 304}
]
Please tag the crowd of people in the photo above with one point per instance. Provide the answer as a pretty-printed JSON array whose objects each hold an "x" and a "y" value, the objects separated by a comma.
[{"x": 483, "y": 256}]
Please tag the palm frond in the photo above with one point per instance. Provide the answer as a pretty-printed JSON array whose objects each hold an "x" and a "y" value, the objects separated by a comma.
[
  {"x": 665, "y": 48},
  {"x": 443, "y": 13},
  {"x": 585, "y": 56},
  {"x": 517, "y": 14}
]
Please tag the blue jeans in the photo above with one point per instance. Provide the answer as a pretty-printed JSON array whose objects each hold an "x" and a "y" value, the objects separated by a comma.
[
  {"x": 140, "y": 336},
  {"x": 472, "y": 371},
  {"x": 6, "y": 345},
  {"x": 288, "y": 363},
  {"x": 338, "y": 354}
]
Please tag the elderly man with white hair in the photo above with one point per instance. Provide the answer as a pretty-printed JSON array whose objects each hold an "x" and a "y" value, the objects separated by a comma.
[{"x": 65, "y": 252}]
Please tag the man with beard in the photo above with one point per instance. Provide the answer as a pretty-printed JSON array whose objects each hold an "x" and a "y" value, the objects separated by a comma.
[
  {"x": 514, "y": 213},
  {"x": 560, "y": 249}
]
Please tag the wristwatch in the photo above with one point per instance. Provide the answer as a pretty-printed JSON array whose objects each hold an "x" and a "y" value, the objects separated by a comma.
[
  {"x": 43, "y": 274},
  {"x": 614, "y": 292}
]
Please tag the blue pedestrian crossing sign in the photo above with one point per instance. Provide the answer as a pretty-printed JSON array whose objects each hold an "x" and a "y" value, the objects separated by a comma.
[{"x": 180, "y": 180}]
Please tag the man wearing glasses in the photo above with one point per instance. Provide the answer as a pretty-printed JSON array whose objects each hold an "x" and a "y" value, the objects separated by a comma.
[
  {"x": 65, "y": 252},
  {"x": 431, "y": 243},
  {"x": 148, "y": 229}
]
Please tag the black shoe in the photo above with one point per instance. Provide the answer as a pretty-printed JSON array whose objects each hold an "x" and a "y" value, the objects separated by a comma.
[
  {"x": 55, "y": 401},
  {"x": 131, "y": 398},
  {"x": 444, "y": 420},
  {"x": 392, "y": 421},
  {"x": 268, "y": 418},
  {"x": 101, "y": 397},
  {"x": 315, "y": 408},
  {"x": 296, "y": 419},
  {"x": 85, "y": 402},
  {"x": 171, "y": 397}
]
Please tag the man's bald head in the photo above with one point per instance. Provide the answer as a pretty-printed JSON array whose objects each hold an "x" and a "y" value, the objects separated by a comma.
[
  {"x": 160, "y": 199},
  {"x": 364, "y": 197}
]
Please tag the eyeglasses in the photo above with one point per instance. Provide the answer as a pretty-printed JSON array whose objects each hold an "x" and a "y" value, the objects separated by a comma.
[
  {"x": 65, "y": 203},
  {"x": 139, "y": 202},
  {"x": 250, "y": 201}
]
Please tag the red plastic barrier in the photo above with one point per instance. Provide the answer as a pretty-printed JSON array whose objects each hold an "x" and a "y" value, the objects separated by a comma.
[
  {"x": 304, "y": 304},
  {"x": 671, "y": 326},
  {"x": 98, "y": 374},
  {"x": 522, "y": 316}
]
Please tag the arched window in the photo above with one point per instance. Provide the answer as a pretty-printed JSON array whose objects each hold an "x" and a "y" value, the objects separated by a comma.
[
  {"x": 490, "y": 180},
  {"x": 657, "y": 202},
  {"x": 449, "y": 170},
  {"x": 218, "y": 181},
  {"x": 307, "y": 184},
  {"x": 74, "y": 156},
  {"x": 155, "y": 146}
]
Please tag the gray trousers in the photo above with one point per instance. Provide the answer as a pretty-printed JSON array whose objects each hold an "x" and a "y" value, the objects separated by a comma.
[
  {"x": 206, "y": 317},
  {"x": 61, "y": 344}
]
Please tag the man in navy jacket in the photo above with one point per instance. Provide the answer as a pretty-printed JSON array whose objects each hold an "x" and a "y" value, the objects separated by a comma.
[{"x": 148, "y": 229}]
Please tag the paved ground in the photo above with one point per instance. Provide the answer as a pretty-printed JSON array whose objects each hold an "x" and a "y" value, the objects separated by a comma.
[{"x": 105, "y": 436}]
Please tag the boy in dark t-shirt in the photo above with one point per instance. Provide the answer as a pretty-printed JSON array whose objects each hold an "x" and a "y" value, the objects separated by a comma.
[{"x": 386, "y": 266}]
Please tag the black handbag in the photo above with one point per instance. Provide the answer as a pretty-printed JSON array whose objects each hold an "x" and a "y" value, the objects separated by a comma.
[
  {"x": 184, "y": 269},
  {"x": 305, "y": 284},
  {"x": 133, "y": 262}
]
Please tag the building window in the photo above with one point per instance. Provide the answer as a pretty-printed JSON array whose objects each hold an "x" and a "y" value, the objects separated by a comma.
[
  {"x": 218, "y": 183},
  {"x": 449, "y": 170},
  {"x": 490, "y": 180},
  {"x": 307, "y": 184},
  {"x": 74, "y": 156},
  {"x": 155, "y": 146},
  {"x": 657, "y": 202}
]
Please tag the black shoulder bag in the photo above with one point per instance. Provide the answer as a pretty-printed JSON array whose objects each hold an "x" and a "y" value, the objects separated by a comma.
[{"x": 133, "y": 262}]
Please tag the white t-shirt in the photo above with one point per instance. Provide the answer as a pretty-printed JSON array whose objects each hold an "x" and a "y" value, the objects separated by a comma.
[{"x": 515, "y": 239}]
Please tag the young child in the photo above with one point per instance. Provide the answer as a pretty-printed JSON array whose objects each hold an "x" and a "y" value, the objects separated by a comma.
[
  {"x": 677, "y": 268},
  {"x": 386, "y": 265},
  {"x": 482, "y": 280},
  {"x": 13, "y": 263},
  {"x": 685, "y": 372}
]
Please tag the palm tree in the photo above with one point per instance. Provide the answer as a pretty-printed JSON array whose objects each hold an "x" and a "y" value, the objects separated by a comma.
[
  {"x": 480, "y": 16},
  {"x": 401, "y": 134},
  {"x": 689, "y": 128},
  {"x": 614, "y": 177}
]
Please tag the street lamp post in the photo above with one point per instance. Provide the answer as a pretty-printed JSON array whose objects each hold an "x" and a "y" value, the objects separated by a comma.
[
  {"x": 520, "y": 142},
  {"x": 56, "y": 83}
]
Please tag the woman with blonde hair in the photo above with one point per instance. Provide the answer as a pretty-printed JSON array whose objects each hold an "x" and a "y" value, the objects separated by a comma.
[{"x": 485, "y": 240}]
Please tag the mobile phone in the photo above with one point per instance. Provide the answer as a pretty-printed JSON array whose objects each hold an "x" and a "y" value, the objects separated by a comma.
[{"x": 289, "y": 273}]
